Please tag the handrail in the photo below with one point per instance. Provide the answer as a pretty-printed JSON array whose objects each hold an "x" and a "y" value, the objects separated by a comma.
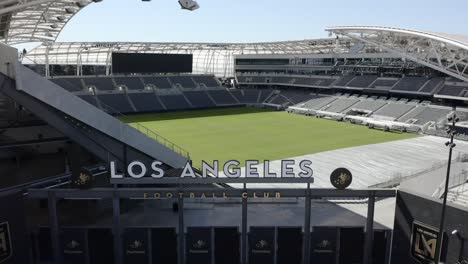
[
  {"x": 395, "y": 181},
  {"x": 457, "y": 180},
  {"x": 147, "y": 131}
]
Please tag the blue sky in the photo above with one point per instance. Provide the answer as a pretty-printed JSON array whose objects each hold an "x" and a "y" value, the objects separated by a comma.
[{"x": 255, "y": 20}]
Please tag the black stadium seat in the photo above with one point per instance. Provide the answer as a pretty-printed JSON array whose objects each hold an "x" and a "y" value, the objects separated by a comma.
[
  {"x": 101, "y": 83},
  {"x": 199, "y": 99},
  {"x": 132, "y": 83},
  {"x": 145, "y": 102},
  {"x": 222, "y": 97},
  {"x": 174, "y": 102},
  {"x": 69, "y": 84},
  {"x": 159, "y": 82},
  {"x": 117, "y": 102}
]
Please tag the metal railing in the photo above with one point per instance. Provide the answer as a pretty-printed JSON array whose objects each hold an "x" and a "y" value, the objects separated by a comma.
[
  {"x": 456, "y": 180},
  {"x": 398, "y": 178},
  {"x": 147, "y": 131}
]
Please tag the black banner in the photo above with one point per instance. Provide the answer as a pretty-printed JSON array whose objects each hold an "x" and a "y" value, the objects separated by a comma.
[
  {"x": 101, "y": 245},
  {"x": 227, "y": 245},
  {"x": 289, "y": 245},
  {"x": 381, "y": 238},
  {"x": 14, "y": 242},
  {"x": 74, "y": 246},
  {"x": 415, "y": 230},
  {"x": 135, "y": 246},
  {"x": 198, "y": 245},
  {"x": 351, "y": 245},
  {"x": 261, "y": 245},
  {"x": 164, "y": 245},
  {"x": 6, "y": 250},
  {"x": 44, "y": 245},
  {"x": 323, "y": 243}
]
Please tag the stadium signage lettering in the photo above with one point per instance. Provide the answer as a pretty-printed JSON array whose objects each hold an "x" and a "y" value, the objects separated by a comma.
[
  {"x": 231, "y": 169},
  {"x": 203, "y": 195}
]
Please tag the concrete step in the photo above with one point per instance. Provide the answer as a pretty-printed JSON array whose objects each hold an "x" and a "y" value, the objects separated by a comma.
[{"x": 463, "y": 197}]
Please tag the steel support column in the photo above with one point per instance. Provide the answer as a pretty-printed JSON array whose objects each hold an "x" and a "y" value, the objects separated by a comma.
[
  {"x": 181, "y": 233},
  {"x": 306, "y": 249},
  {"x": 244, "y": 230},
  {"x": 116, "y": 229},
  {"x": 54, "y": 228},
  {"x": 369, "y": 241}
]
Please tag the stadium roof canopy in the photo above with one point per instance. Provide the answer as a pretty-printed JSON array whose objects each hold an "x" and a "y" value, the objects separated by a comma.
[
  {"x": 443, "y": 52},
  {"x": 23, "y": 21},
  {"x": 216, "y": 58}
]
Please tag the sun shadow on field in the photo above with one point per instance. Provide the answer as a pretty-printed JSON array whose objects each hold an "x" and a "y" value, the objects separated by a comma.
[{"x": 193, "y": 114}]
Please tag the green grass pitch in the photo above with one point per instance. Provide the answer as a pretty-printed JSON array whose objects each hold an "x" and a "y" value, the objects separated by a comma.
[{"x": 252, "y": 133}]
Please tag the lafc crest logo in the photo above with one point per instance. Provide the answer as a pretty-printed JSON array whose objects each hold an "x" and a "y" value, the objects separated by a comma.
[
  {"x": 199, "y": 247},
  {"x": 324, "y": 246},
  {"x": 6, "y": 250},
  {"x": 341, "y": 178},
  {"x": 199, "y": 244},
  {"x": 137, "y": 244},
  {"x": 73, "y": 245},
  {"x": 84, "y": 179},
  {"x": 262, "y": 244},
  {"x": 424, "y": 242},
  {"x": 136, "y": 247},
  {"x": 262, "y": 247}
]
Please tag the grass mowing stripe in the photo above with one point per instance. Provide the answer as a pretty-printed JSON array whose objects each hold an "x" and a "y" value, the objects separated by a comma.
[{"x": 252, "y": 133}]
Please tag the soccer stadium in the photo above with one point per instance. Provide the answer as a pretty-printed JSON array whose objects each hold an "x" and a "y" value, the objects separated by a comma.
[{"x": 345, "y": 149}]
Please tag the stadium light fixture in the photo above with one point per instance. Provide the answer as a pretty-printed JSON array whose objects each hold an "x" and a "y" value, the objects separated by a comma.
[
  {"x": 70, "y": 10},
  {"x": 451, "y": 131},
  {"x": 189, "y": 5},
  {"x": 81, "y": 3}
]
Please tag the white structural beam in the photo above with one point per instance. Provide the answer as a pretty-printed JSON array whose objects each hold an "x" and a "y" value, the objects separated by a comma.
[
  {"x": 216, "y": 58},
  {"x": 444, "y": 53},
  {"x": 19, "y": 5},
  {"x": 25, "y": 21}
]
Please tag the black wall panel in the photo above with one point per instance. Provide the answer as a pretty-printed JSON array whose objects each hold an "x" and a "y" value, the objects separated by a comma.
[
  {"x": 323, "y": 241},
  {"x": 101, "y": 245},
  {"x": 412, "y": 208},
  {"x": 198, "y": 245},
  {"x": 261, "y": 245},
  {"x": 227, "y": 245},
  {"x": 74, "y": 246},
  {"x": 289, "y": 243},
  {"x": 135, "y": 246},
  {"x": 164, "y": 245},
  {"x": 15, "y": 245}
]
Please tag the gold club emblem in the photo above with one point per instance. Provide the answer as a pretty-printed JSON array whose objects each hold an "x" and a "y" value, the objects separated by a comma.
[
  {"x": 83, "y": 179},
  {"x": 136, "y": 244},
  {"x": 261, "y": 244},
  {"x": 73, "y": 244},
  {"x": 341, "y": 178},
  {"x": 324, "y": 244},
  {"x": 199, "y": 244}
]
